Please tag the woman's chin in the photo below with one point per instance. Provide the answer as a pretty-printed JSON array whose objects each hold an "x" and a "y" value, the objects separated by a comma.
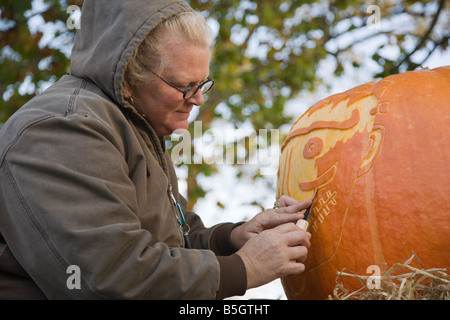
[{"x": 180, "y": 127}]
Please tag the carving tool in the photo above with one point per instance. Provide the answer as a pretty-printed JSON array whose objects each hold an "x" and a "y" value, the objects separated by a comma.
[{"x": 303, "y": 223}]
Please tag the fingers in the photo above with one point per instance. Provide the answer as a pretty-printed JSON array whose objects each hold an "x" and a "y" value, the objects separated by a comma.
[
  {"x": 272, "y": 220},
  {"x": 291, "y": 213},
  {"x": 290, "y": 205},
  {"x": 286, "y": 201},
  {"x": 293, "y": 235},
  {"x": 296, "y": 244},
  {"x": 298, "y": 254},
  {"x": 294, "y": 267}
]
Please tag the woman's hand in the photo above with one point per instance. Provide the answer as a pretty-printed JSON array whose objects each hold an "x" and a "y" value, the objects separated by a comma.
[
  {"x": 289, "y": 211},
  {"x": 274, "y": 253}
]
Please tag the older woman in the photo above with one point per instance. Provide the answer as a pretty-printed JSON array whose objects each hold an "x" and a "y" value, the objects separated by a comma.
[{"x": 89, "y": 203}]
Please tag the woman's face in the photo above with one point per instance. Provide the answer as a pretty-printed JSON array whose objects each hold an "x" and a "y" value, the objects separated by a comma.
[{"x": 164, "y": 106}]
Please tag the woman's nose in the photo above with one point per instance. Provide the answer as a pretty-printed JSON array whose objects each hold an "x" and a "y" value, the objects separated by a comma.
[{"x": 198, "y": 99}]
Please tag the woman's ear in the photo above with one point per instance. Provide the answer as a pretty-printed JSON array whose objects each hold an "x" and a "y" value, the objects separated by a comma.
[{"x": 126, "y": 90}]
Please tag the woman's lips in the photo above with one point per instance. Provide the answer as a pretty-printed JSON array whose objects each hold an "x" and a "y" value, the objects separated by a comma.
[
  {"x": 183, "y": 114},
  {"x": 324, "y": 179}
]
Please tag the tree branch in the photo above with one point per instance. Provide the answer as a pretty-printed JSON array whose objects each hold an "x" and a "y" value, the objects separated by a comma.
[
  {"x": 436, "y": 44},
  {"x": 426, "y": 35},
  {"x": 339, "y": 50}
]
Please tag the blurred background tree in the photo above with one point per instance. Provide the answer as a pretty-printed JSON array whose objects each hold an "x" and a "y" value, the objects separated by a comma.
[{"x": 266, "y": 54}]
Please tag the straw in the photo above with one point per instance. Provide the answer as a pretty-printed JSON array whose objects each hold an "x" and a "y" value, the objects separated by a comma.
[{"x": 401, "y": 282}]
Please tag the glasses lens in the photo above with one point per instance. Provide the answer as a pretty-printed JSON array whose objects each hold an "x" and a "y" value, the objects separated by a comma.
[
  {"x": 190, "y": 92},
  {"x": 204, "y": 88}
]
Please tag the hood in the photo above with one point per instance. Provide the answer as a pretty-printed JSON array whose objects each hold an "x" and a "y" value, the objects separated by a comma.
[{"x": 109, "y": 33}]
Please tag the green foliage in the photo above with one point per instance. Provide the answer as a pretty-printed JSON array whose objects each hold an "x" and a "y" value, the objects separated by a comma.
[
  {"x": 25, "y": 55},
  {"x": 265, "y": 53}
]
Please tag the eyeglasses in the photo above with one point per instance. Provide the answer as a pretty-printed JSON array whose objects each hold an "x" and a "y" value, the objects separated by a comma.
[{"x": 190, "y": 91}]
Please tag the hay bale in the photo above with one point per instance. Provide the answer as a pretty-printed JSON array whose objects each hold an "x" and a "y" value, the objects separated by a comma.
[{"x": 400, "y": 282}]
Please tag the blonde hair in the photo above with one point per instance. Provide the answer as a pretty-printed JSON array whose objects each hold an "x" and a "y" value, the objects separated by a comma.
[{"x": 188, "y": 27}]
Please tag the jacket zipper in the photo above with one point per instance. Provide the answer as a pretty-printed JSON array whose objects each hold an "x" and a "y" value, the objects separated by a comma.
[{"x": 177, "y": 206}]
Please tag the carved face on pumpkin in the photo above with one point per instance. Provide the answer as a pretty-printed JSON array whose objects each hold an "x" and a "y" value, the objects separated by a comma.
[{"x": 319, "y": 151}]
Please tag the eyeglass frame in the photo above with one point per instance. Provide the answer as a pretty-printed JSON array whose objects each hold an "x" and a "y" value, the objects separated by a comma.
[{"x": 184, "y": 92}]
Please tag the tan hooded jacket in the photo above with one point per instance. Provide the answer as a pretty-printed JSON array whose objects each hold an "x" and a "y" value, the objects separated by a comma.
[{"x": 84, "y": 181}]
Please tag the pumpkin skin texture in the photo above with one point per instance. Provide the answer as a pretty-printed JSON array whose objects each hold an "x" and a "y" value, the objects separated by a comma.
[{"x": 378, "y": 155}]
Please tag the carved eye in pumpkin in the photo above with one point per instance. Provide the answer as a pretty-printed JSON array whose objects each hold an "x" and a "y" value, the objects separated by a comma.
[{"x": 313, "y": 147}]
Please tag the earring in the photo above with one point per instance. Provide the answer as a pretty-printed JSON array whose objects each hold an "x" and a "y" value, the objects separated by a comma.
[{"x": 129, "y": 99}]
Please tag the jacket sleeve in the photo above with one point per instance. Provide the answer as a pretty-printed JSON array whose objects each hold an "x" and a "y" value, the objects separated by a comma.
[
  {"x": 233, "y": 275},
  {"x": 67, "y": 199}
]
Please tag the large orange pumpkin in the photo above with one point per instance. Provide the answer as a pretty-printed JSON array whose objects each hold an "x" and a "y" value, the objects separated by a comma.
[{"x": 379, "y": 155}]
